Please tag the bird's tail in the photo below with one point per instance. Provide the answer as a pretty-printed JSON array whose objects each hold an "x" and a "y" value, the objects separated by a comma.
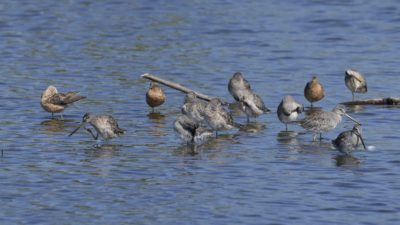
[
  {"x": 72, "y": 97},
  {"x": 120, "y": 131},
  {"x": 238, "y": 125},
  {"x": 265, "y": 109}
]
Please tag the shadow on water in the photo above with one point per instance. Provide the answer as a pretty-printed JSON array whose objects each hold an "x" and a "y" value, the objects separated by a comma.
[{"x": 347, "y": 161}]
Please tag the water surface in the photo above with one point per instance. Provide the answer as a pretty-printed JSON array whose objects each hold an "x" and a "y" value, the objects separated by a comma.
[{"x": 261, "y": 175}]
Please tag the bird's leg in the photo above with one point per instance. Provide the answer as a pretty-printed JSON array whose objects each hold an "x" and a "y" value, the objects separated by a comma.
[
  {"x": 194, "y": 149},
  {"x": 152, "y": 109},
  {"x": 311, "y": 105},
  {"x": 62, "y": 117},
  {"x": 52, "y": 115},
  {"x": 91, "y": 132},
  {"x": 353, "y": 96},
  {"x": 320, "y": 137},
  {"x": 315, "y": 137},
  {"x": 216, "y": 134},
  {"x": 248, "y": 119},
  {"x": 286, "y": 126}
]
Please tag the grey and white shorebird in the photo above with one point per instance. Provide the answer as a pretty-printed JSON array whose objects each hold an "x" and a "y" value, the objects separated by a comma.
[
  {"x": 194, "y": 107},
  {"x": 55, "y": 102},
  {"x": 355, "y": 82},
  {"x": 288, "y": 110},
  {"x": 238, "y": 86},
  {"x": 324, "y": 121},
  {"x": 217, "y": 117},
  {"x": 190, "y": 131},
  {"x": 350, "y": 140},
  {"x": 105, "y": 125},
  {"x": 252, "y": 105}
]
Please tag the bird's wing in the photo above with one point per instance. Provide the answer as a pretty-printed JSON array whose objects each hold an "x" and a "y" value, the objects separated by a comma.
[
  {"x": 65, "y": 98},
  {"x": 246, "y": 84},
  {"x": 190, "y": 126},
  {"x": 114, "y": 124},
  {"x": 289, "y": 108},
  {"x": 259, "y": 102}
]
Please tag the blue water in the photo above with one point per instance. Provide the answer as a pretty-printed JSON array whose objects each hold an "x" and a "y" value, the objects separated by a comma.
[{"x": 147, "y": 176}]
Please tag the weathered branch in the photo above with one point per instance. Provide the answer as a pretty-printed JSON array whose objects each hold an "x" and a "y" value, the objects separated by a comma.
[
  {"x": 175, "y": 86},
  {"x": 375, "y": 101}
]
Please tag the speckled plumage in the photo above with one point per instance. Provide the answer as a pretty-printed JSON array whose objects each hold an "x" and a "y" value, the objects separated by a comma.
[
  {"x": 194, "y": 107},
  {"x": 324, "y": 121},
  {"x": 217, "y": 117},
  {"x": 105, "y": 125}
]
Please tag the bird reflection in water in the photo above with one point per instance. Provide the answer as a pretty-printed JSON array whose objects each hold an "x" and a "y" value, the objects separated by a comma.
[
  {"x": 104, "y": 155},
  {"x": 235, "y": 109},
  {"x": 287, "y": 137},
  {"x": 347, "y": 160},
  {"x": 156, "y": 117},
  {"x": 252, "y": 127},
  {"x": 158, "y": 120},
  {"x": 103, "y": 151},
  {"x": 52, "y": 126},
  {"x": 210, "y": 145},
  {"x": 355, "y": 108}
]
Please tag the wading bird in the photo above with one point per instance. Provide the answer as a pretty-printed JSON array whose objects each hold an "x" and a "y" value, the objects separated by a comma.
[{"x": 54, "y": 102}]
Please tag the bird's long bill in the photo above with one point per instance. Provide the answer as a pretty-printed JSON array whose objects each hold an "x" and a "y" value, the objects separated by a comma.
[
  {"x": 362, "y": 142},
  {"x": 355, "y": 121},
  {"x": 73, "y": 132}
]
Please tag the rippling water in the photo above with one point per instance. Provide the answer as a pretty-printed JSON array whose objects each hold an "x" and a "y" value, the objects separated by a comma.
[{"x": 260, "y": 175}]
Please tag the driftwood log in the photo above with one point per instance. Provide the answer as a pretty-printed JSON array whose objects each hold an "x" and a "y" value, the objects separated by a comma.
[
  {"x": 179, "y": 87},
  {"x": 375, "y": 101},
  {"x": 175, "y": 86}
]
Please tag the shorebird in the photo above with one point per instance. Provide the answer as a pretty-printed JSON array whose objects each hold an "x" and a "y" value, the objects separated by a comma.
[
  {"x": 155, "y": 96},
  {"x": 105, "y": 125},
  {"x": 190, "y": 131},
  {"x": 238, "y": 86},
  {"x": 288, "y": 110},
  {"x": 350, "y": 140},
  {"x": 251, "y": 104},
  {"x": 355, "y": 82},
  {"x": 193, "y": 107},
  {"x": 314, "y": 91},
  {"x": 54, "y": 102},
  {"x": 324, "y": 121},
  {"x": 217, "y": 117}
]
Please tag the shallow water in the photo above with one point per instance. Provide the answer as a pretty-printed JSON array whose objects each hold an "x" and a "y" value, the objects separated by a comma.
[{"x": 256, "y": 175}]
